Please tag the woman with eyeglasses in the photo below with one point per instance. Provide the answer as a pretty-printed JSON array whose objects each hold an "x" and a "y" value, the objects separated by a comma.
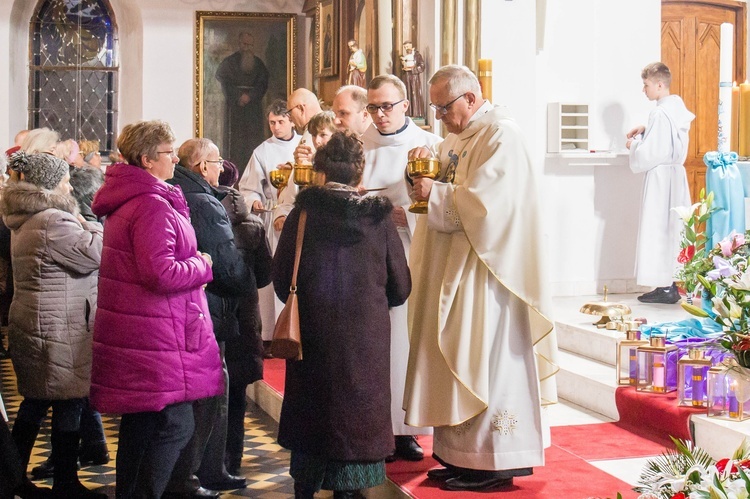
[
  {"x": 154, "y": 347},
  {"x": 197, "y": 174}
]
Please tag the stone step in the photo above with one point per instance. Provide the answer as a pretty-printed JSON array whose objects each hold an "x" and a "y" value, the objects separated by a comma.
[{"x": 587, "y": 383}]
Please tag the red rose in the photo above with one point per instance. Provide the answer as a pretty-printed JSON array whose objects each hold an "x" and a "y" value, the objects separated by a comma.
[
  {"x": 742, "y": 345},
  {"x": 686, "y": 254},
  {"x": 679, "y": 495},
  {"x": 721, "y": 466}
]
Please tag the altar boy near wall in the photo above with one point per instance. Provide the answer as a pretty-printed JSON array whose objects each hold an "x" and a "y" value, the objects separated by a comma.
[{"x": 659, "y": 150}]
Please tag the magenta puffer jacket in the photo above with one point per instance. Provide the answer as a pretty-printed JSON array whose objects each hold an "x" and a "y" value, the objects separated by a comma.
[{"x": 153, "y": 338}]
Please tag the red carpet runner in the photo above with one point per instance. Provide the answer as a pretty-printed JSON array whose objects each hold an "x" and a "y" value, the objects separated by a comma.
[
  {"x": 659, "y": 413},
  {"x": 567, "y": 472}
]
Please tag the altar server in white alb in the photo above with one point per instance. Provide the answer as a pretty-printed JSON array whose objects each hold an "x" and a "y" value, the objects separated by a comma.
[
  {"x": 482, "y": 353},
  {"x": 659, "y": 150},
  {"x": 255, "y": 186},
  {"x": 387, "y": 145}
]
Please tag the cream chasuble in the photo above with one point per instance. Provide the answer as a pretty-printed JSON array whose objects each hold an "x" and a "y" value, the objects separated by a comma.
[
  {"x": 385, "y": 166},
  {"x": 481, "y": 337},
  {"x": 255, "y": 184}
]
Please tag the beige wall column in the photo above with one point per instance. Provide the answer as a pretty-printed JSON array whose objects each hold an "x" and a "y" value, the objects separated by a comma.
[
  {"x": 449, "y": 21},
  {"x": 471, "y": 33},
  {"x": 385, "y": 38}
]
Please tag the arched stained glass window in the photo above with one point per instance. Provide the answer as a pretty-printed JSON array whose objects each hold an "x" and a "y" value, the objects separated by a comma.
[{"x": 73, "y": 70}]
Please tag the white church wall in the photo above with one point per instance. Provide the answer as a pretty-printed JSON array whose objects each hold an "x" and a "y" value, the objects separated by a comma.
[{"x": 592, "y": 53}]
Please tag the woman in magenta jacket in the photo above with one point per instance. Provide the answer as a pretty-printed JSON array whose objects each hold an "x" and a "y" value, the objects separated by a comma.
[{"x": 154, "y": 347}]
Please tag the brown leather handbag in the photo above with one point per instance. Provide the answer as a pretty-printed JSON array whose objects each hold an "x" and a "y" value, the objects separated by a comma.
[{"x": 287, "y": 341}]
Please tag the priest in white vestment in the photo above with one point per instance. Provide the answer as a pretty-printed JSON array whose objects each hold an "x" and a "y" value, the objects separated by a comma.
[
  {"x": 303, "y": 105},
  {"x": 387, "y": 145},
  {"x": 482, "y": 357},
  {"x": 660, "y": 150},
  {"x": 350, "y": 107},
  {"x": 255, "y": 186}
]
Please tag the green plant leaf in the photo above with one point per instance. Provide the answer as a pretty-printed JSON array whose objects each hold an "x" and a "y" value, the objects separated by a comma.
[{"x": 693, "y": 310}]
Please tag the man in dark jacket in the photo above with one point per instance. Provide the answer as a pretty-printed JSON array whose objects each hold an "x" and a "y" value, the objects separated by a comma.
[{"x": 202, "y": 460}]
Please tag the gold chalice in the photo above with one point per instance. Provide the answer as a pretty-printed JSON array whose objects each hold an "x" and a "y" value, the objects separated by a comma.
[
  {"x": 420, "y": 168},
  {"x": 280, "y": 178},
  {"x": 303, "y": 174}
]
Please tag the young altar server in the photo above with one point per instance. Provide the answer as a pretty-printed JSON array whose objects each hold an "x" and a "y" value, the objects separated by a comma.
[
  {"x": 255, "y": 186},
  {"x": 659, "y": 150},
  {"x": 386, "y": 147}
]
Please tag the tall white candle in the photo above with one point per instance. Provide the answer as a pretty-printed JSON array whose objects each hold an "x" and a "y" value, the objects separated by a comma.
[{"x": 726, "y": 51}]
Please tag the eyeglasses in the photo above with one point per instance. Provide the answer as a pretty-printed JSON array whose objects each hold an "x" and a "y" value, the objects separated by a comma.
[
  {"x": 220, "y": 161},
  {"x": 171, "y": 152},
  {"x": 442, "y": 110},
  {"x": 386, "y": 108},
  {"x": 289, "y": 111}
]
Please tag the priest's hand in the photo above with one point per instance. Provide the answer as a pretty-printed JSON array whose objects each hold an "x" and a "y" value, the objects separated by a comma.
[
  {"x": 420, "y": 152},
  {"x": 257, "y": 206},
  {"x": 639, "y": 130},
  {"x": 303, "y": 154},
  {"x": 285, "y": 166},
  {"x": 422, "y": 188}
]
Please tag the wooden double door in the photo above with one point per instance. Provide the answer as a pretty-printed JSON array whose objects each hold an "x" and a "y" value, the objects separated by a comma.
[{"x": 690, "y": 36}]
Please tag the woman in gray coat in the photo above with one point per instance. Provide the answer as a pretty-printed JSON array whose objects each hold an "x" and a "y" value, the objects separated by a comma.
[{"x": 55, "y": 255}]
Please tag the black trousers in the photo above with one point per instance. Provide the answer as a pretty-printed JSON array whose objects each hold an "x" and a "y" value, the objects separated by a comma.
[{"x": 150, "y": 443}]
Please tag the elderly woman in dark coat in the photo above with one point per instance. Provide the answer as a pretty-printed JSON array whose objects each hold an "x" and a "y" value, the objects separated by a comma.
[{"x": 335, "y": 417}]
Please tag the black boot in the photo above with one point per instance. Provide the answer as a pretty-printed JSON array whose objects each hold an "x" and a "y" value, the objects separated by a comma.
[
  {"x": 24, "y": 435},
  {"x": 302, "y": 491},
  {"x": 44, "y": 470},
  {"x": 93, "y": 454},
  {"x": 65, "y": 455},
  {"x": 347, "y": 494}
]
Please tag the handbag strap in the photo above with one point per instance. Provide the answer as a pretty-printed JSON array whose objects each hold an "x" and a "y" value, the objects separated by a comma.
[{"x": 298, "y": 250}]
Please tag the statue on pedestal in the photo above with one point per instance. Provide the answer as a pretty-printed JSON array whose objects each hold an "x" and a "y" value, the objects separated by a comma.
[
  {"x": 357, "y": 65},
  {"x": 412, "y": 65}
]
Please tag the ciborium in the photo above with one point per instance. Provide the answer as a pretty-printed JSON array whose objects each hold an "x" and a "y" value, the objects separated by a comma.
[
  {"x": 422, "y": 168},
  {"x": 303, "y": 174},
  {"x": 280, "y": 178}
]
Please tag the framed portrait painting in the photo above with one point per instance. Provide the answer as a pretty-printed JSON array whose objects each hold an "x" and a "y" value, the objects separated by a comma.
[
  {"x": 243, "y": 62},
  {"x": 326, "y": 39}
]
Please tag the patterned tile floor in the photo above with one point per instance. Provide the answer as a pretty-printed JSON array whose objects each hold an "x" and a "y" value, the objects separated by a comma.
[{"x": 265, "y": 463}]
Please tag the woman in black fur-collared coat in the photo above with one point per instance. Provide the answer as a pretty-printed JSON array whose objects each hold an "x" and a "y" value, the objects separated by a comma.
[{"x": 336, "y": 416}]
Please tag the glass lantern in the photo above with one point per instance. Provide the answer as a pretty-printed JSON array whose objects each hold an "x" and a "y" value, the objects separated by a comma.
[
  {"x": 656, "y": 365},
  {"x": 692, "y": 376},
  {"x": 626, "y": 357},
  {"x": 728, "y": 393}
]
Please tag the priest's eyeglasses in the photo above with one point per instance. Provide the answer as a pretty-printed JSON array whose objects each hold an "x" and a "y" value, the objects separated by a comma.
[
  {"x": 443, "y": 110},
  {"x": 386, "y": 108}
]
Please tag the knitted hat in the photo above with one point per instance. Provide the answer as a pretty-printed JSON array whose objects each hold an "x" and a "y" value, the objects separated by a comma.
[
  {"x": 230, "y": 174},
  {"x": 43, "y": 170}
]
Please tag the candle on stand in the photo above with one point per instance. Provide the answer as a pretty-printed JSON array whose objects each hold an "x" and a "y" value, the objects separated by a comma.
[
  {"x": 735, "y": 118},
  {"x": 734, "y": 405},
  {"x": 726, "y": 49},
  {"x": 698, "y": 377},
  {"x": 657, "y": 378},
  {"x": 485, "y": 77},
  {"x": 744, "y": 131}
]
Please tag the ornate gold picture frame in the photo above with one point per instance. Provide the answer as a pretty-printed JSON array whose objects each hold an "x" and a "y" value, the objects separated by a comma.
[
  {"x": 243, "y": 61},
  {"x": 327, "y": 38}
]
